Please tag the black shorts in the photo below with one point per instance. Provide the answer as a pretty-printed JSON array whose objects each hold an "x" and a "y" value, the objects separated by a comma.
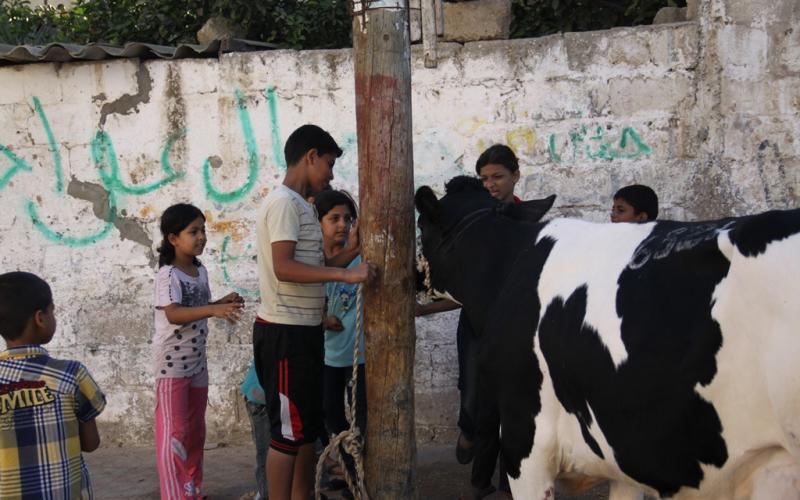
[{"x": 289, "y": 361}]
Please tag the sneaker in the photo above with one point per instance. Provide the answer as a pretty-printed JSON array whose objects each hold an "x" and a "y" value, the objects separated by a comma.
[{"x": 465, "y": 449}]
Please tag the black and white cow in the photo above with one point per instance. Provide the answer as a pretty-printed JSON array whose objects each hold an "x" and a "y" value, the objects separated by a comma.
[{"x": 663, "y": 356}]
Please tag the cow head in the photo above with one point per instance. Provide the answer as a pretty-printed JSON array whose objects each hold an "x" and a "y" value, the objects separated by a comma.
[{"x": 443, "y": 221}]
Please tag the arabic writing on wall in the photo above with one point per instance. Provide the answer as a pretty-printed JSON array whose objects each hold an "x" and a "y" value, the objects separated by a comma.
[{"x": 601, "y": 144}]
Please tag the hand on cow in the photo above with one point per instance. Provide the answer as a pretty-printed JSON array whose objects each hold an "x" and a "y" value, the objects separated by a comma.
[
  {"x": 332, "y": 323},
  {"x": 362, "y": 273}
]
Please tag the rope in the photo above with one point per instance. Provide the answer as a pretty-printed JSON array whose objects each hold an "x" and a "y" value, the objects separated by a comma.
[
  {"x": 425, "y": 268},
  {"x": 350, "y": 440}
]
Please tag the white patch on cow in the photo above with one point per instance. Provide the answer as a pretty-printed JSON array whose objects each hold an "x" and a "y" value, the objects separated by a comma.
[
  {"x": 780, "y": 478},
  {"x": 594, "y": 255},
  {"x": 756, "y": 390}
]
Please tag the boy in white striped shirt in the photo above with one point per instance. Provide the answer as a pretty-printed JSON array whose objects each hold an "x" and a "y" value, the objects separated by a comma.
[{"x": 288, "y": 333}]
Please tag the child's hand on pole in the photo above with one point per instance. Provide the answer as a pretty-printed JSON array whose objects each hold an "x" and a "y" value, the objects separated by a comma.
[{"x": 362, "y": 273}]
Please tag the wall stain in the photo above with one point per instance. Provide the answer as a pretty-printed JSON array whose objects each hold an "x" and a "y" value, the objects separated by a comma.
[
  {"x": 127, "y": 103},
  {"x": 236, "y": 229},
  {"x": 129, "y": 228}
]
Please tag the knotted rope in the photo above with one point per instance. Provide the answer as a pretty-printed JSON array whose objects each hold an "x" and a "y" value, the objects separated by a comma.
[
  {"x": 425, "y": 269},
  {"x": 350, "y": 440}
]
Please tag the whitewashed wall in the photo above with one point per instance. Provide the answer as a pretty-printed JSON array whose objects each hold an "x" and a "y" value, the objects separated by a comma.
[{"x": 705, "y": 112}]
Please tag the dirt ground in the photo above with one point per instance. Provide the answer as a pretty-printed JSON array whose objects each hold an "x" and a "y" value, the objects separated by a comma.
[{"x": 130, "y": 473}]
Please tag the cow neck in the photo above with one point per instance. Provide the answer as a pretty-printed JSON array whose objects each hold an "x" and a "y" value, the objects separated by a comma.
[
  {"x": 489, "y": 250},
  {"x": 453, "y": 234}
]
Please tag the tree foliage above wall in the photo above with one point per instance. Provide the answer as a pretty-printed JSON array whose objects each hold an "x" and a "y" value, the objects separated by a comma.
[
  {"x": 308, "y": 24},
  {"x": 288, "y": 23},
  {"x": 531, "y": 18}
]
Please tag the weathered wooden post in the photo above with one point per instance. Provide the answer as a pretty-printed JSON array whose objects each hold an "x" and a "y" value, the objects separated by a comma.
[{"x": 382, "y": 60}]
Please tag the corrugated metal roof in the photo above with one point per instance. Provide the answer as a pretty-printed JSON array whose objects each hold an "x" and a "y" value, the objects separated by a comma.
[{"x": 65, "y": 52}]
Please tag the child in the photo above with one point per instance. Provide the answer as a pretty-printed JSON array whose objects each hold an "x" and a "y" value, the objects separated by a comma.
[
  {"x": 336, "y": 212},
  {"x": 47, "y": 406},
  {"x": 634, "y": 203},
  {"x": 288, "y": 333},
  {"x": 182, "y": 306},
  {"x": 259, "y": 426},
  {"x": 498, "y": 169}
]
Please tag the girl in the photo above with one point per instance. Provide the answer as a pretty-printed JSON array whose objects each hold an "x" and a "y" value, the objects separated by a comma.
[
  {"x": 337, "y": 212},
  {"x": 182, "y": 306},
  {"x": 498, "y": 169}
]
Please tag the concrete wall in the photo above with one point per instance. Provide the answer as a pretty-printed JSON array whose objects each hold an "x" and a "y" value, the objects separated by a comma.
[{"x": 706, "y": 112}]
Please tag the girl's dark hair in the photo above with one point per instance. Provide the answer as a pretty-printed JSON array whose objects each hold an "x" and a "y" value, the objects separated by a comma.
[
  {"x": 330, "y": 198},
  {"x": 499, "y": 154},
  {"x": 174, "y": 220}
]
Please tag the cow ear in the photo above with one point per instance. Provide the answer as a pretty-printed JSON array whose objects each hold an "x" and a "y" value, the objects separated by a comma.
[
  {"x": 427, "y": 204},
  {"x": 533, "y": 210}
]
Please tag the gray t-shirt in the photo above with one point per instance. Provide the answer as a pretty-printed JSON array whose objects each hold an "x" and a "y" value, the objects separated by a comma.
[{"x": 180, "y": 350}]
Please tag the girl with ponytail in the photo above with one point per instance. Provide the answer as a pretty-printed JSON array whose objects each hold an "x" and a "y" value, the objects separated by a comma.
[{"x": 182, "y": 308}]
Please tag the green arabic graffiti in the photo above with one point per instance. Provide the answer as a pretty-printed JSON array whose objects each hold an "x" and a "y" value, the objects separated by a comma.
[
  {"x": 597, "y": 147},
  {"x": 252, "y": 160},
  {"x": 51, "y": 140},
  {"x": 277, "y": 153},
  {"x": 224, "y": 258},
  {"x": 17, "y": 164},
  {"x": 105, "y": 158},
  {"x": 74, "y": 241},
  {"x": 552, "y": 148}
]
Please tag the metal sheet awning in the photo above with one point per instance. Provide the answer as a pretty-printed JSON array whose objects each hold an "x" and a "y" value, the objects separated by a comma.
[{"x": 66, "y": 52}]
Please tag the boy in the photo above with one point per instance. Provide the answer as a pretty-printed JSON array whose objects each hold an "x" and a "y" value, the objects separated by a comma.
[
  {"x": 634, "y": 203},
  {"x": 47, "y": 406},
  {"x": 288, "y": 332}
]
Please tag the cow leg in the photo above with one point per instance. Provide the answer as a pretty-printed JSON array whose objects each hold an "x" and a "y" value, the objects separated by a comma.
[{"x": 620, "y": 490}]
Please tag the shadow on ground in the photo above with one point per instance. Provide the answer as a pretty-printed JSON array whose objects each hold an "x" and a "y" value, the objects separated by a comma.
[{"x": 130, "y": 474}]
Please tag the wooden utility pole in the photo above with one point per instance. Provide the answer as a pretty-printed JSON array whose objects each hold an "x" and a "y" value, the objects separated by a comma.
[{"x": 382, "y": 60}]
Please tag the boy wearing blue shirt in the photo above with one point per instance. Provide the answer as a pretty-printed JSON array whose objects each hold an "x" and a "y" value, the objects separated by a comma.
[{"x": 256, "y": 404}]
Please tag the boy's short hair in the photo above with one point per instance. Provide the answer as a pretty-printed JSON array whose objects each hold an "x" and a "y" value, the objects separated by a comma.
[
  {"x": 306, "y": 138},
  {"x": 330, "y": 198},
  {"x": 21, "y": 295},
  {"x": 499, "y": 154},
  {"x": 642, "y": 198}
]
